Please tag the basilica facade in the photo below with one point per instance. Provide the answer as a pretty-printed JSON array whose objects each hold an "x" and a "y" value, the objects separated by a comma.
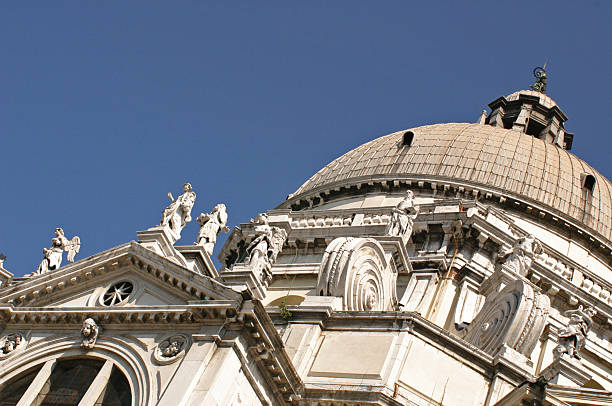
[{"x": 449, "y": 264}]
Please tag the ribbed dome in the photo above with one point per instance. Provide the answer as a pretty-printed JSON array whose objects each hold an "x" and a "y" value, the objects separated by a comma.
[{"x": 502, "y": 161}]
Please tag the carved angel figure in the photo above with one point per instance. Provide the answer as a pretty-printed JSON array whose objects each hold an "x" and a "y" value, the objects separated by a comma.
[
  {"x": 211, "y": 224},
  {"x": 402, "y": 217},
  {"x": 520, "y": 257},
  {"x": 178, "y": 213},
  {"x": 53, "y": 255},
  {"x": 572, "y": 338},
  {"x": 89, "y": 332}
]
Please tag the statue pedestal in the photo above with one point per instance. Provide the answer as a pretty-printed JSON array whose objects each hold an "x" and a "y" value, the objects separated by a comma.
[
  {"x": 565, "y": 371},
  {"x": 514, "y": 357},
  {"x": 160, "y": 240},
  {"x": 501, "y": 278},
  {"x": 243, "y": 275}
]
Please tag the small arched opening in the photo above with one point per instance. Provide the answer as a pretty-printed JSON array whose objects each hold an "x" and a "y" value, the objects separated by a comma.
[
  {"x": 588, "y": 183},
  {"x": 407, "y": 139}
]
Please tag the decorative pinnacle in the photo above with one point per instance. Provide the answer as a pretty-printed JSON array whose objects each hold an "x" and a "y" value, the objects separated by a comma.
[{"x": 540, "y": 83}]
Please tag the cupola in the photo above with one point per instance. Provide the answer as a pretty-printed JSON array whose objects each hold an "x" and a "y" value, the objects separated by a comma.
[{"x": 532, "y": 112}]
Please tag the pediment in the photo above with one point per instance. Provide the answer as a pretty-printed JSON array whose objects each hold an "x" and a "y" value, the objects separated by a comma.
[{"x": 154, "y": 279}]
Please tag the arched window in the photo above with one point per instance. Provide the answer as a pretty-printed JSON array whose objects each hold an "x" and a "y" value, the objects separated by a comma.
[
  {"x": 69, "y": 382},
  {"x": 407, "y": 139},
  {"x": 588, "y": 182}
]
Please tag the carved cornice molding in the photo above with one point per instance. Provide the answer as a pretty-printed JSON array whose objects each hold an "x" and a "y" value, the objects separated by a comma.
[
  {"x": 441, "y": 186},
  {"x": 267, "y": 349},
  {"x": 42, "y": 317},
  {"x": 191, "y": 285}
]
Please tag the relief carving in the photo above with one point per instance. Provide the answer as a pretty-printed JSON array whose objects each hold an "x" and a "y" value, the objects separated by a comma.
[
  {"x": 10, "y": 343},
  {"x": 171, "y": 349},
  {"x": 89, "y": 333},
  {"x": 356, "y": 270}
]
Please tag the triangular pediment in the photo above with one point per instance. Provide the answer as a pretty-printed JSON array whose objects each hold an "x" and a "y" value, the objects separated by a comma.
[{"x": 140, "y": 276}]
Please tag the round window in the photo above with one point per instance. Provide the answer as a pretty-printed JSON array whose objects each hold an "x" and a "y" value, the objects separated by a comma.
[{"x": 117, "y": 293}]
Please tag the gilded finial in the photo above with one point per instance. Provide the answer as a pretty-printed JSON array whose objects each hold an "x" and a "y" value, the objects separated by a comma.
[{"x": 540, "y": 83}]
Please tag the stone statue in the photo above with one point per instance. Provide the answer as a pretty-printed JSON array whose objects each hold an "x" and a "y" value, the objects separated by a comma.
[
  {"x": 211, "y": 224},
  {"x": 263, "y": 250},
  {"x": 402, "y": 217},
  {"x": 573, "y": 337},
  {"x": 178, "y": 213},
  {"x": 53, "y": 255},
  {"x": 11, "y": 342},
  {"x": 520, "y": 257},
  {"x": 89, "y": 332}
]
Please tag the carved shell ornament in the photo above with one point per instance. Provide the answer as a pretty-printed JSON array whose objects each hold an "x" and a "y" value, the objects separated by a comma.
[
  {"x": 171, "y": 349},
  {"x": 11, "y": 343},
  {"x": 356, "y": 270}
]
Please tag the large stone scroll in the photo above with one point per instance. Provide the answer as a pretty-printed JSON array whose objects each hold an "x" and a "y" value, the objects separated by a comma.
[
  {"x": 357, "y": 270},
  {"x": 513, "y": 318}
]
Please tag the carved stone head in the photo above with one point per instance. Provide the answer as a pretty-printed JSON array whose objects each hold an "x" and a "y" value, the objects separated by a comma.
[{"x": 89, "y": 332}]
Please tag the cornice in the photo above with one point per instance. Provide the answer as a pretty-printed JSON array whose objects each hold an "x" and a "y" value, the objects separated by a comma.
[
  {"x": 438, "y": 186},
  {"x": 40, "y": 288},
  {"x": 196, "y": 312}
]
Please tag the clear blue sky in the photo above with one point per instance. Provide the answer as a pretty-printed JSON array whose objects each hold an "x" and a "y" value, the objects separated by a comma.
[{"x": 107, "y": 106}]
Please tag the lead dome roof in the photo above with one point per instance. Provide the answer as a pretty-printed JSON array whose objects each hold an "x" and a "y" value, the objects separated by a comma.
[{"x": 502, "y": 161}]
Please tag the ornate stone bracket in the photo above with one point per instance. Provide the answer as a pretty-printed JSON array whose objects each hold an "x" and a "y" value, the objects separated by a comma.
[
  {"x": 512, "y": 319},
  {"x": 357, "y": 270}
]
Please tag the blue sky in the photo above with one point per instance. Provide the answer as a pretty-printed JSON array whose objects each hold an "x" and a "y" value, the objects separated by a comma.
[{"x": 107, "y": 106}]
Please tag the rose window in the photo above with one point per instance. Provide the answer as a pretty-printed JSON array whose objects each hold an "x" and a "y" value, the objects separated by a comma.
[{"x": 117, "y": 293}]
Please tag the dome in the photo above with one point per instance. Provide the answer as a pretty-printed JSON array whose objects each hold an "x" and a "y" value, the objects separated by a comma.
[{"x": 494, "y": 160}]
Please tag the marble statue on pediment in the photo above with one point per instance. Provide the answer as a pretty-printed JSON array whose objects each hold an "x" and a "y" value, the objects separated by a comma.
[
  {"x": 178, "y": 213},
  {"x": 211, "y": 224},
  {"x": 89, "y": 333},
  {"x": 573, "y": 337},
  {"x": 402, "y": 217},
  {"x": 53, "y": 256},
  {"x": 520, "y": 257}
]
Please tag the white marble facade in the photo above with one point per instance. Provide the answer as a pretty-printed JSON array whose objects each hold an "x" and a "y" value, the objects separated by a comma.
[{"x": 363, "y": 288}]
